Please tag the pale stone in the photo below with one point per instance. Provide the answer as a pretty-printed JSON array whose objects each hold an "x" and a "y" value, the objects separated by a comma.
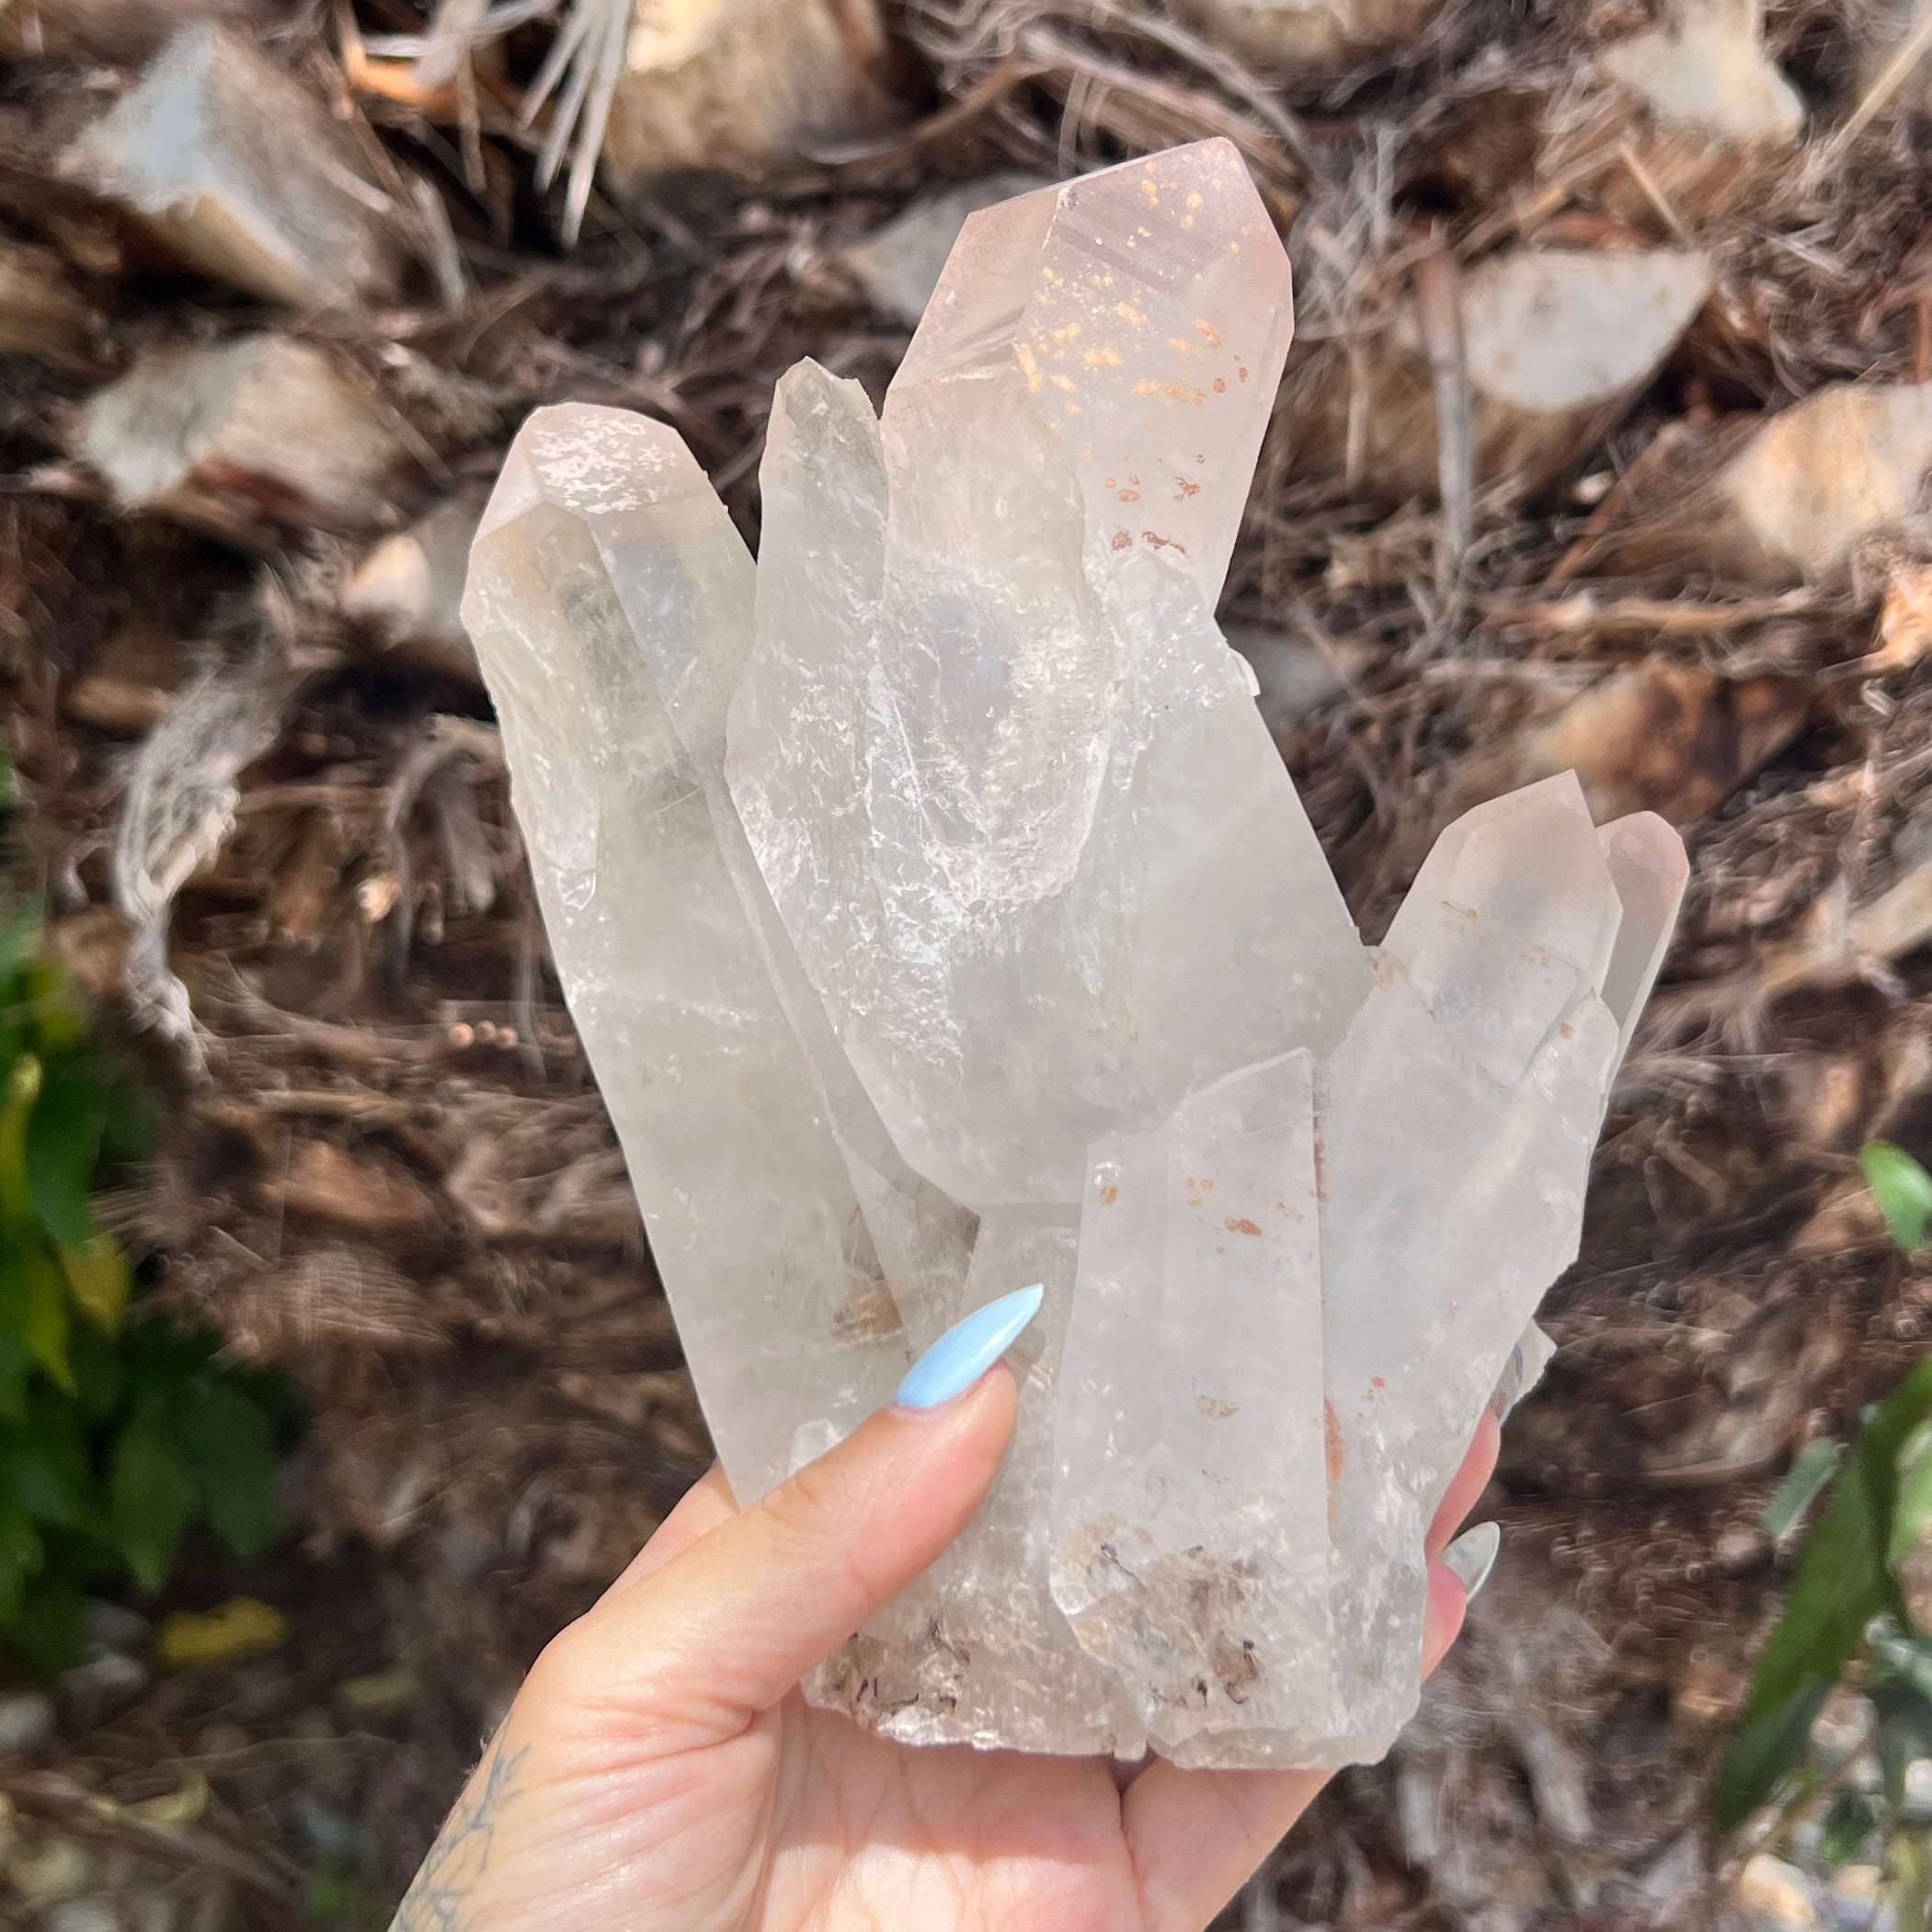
[
  {"x": 1557, "y": 343},
  {"x": 1705, "y": 69},
  {"x": 1552, "y": 331},
  {"x": 1320, "y": 36},
  {"x": 237, "y": 169},
  {"x": 743, "y": 86},
  {"x": 256, "y": 431},
  {"x": 1000, "y": 950},
  {"x": 1846, "y": 461},
  {"x": 407, "y": 590}
]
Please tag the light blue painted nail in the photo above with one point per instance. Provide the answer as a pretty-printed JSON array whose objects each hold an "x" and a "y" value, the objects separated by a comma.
[
  {"x": 968, "y": 1349},
  {"x": 1473, "y": 1556}
]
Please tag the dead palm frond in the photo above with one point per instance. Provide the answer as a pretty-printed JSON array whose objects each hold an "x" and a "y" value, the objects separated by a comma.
[{"x": 581, "y": 70}]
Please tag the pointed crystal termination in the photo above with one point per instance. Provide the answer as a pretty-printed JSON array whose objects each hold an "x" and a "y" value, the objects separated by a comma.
[
  {"x": 991, "y": 754},
  {"x": 1190, "y": 1505},
  {"x": 1457, "y": 1121},
  {"x": 610, "y": 600},
  {"x": 1146, "y": 310}
]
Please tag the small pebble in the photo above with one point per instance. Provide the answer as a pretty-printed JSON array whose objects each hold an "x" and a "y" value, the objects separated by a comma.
[
  {"x": 52, "y": 1868},
  {"x": 1776, "y": 1897},
  {"x": 112, "y": 1627},
  {"x": 1740, "y": 1548},
  {"x": 83, "y": 1915},
  {"x": 1853, "y": 1896},
  {"x": 104, "y": 1684},
  {"x": 334, "y": 1835},
  {"x": 151, "y": 1908},
  {"x": 26, "y": 1721}
]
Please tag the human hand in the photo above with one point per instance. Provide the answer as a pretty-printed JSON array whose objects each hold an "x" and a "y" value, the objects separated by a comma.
[{"x": 659, "y": 1767}]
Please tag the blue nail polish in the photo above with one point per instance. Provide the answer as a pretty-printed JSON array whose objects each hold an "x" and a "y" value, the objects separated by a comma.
[
  {"x": 1473, "y": 1556},
  {"x": 968, "y": 1349}
]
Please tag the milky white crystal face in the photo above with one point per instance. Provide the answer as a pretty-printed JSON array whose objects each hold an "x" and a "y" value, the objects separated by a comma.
[{"x": 939, "y": 919}]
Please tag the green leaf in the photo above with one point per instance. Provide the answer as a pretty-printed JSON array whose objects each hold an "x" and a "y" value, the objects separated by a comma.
[
  {"x": 46, "y": 1629},
  {"x": 21, "y": 1553},
  {"x": 50, "y": 1469},
  {"x": 100, "y": 1374},
  {"x": 1901, "y": 1188},
  {"x": 98, "y": 1280},
  {"x": 14, "y": 1363},
  {"x": 23, "y": 1088},
  {"x": 20, "y": 940},
  {"x": 1844, "y": 1580},
  {"x": 1847, "y": 1826},
  {"x": 1765, "y": 1748},
  {"x": 1881, "y": 1449},
  {"x": 62, "y": 1147},
  {"x": 1904, "y": 1734},
  {"x": 1811, "y": 1469},
  {"x": 153, "y": 1490},
  {"x": 230, "y": 1449},
  {"x": 1913, "y": 1503},
  {"x": 59, "y": 1024},
  {"x": 46, "y": 1319}
]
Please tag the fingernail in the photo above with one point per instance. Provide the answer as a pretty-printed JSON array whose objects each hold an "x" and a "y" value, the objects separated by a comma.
[
  {"x": 968, "y": 1349},
  {"x": 1473, "y": 1556}
]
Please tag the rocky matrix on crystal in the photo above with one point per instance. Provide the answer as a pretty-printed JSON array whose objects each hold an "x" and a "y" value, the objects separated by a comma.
[{"x": 940, "y": 918}]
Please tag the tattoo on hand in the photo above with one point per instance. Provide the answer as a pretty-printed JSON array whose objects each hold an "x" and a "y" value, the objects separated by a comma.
[{"x": 438, "y": 1896}]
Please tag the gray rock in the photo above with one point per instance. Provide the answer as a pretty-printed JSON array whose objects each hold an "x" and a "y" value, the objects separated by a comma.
[
  {"x": 25, "y": 1721},
  {"x": 83, "y": 1915},
  {"x": 103, "y": 1684}
]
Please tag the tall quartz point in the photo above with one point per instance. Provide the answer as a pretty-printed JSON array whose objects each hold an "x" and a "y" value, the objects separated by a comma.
[{"x": 940, "y": 918}]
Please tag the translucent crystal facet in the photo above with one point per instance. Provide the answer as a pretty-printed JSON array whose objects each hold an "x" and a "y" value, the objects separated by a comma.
[{"x": 940, "y": 918}]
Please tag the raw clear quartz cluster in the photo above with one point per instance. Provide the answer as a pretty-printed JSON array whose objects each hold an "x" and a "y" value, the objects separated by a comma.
[{"x": 939, "y": 918}]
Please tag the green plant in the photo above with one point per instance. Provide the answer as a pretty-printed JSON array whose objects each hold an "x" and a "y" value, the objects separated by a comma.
[
  {"x": 116, "y": 1431},
  {"x": 1848, "y": 1625}
]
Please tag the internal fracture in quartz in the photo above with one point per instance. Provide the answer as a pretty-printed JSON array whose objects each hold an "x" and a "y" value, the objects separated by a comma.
[{"x": 939, "y": 918}]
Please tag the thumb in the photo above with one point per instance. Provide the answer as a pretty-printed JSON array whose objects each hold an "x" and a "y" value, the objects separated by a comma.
[{"x": 729, "y": 1625}]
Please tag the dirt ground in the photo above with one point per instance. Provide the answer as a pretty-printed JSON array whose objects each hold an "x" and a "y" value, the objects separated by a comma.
[{"x": 280, "y": 855}]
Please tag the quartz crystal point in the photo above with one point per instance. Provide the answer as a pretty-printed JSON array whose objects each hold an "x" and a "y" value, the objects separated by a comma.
[
  {"x": 1191, "y": 1517},
  {"x": 939, "y": 919},
  {"x": 991, "y": 754},
  {"x": 610, "y": 600}
]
